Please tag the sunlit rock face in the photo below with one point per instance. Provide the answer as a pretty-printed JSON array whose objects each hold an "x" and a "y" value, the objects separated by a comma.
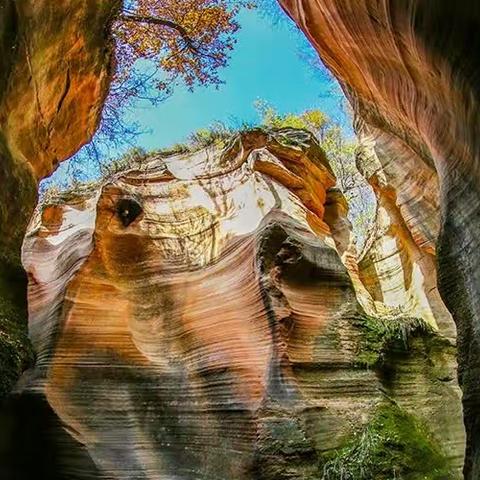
[
  {"x": 411, "y": 69},
  {"x": 193, "y": 319},
  {"x": 398, "y": 265},
  {"x": 55, "y": 66}
]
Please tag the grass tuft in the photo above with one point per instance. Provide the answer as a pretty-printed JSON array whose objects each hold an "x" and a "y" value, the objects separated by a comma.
[{"x": 392, "y": 446}]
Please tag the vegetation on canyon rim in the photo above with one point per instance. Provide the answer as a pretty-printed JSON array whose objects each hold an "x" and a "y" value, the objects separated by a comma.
[{"x": 340, "y": 152}]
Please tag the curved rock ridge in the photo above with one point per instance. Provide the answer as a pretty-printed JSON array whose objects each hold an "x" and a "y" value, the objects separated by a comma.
[
  {"x": 398, "y": 265},
  {"x": 393, "y": 275},
  {"x": 193, "y": 319},
  {"x": 411, "y": 70}
]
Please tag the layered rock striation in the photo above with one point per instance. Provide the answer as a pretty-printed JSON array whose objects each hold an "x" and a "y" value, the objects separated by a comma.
[
  {"x": 200, "y": 317},
  {"x": 411, "y": 71}
]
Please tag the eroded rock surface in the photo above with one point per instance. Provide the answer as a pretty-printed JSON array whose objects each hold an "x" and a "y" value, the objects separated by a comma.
[
  {"x": 55, "y": 64},
  {"x": 411, "y": 70},
  {"x": 193, "y": 319},
  {"x": 398, "y": 265}
]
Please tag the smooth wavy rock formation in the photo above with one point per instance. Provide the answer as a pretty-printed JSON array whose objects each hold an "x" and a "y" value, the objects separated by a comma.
[
  {"x": 193, "y": 319},
  {"x": 411, "y": 69},
  {"x": 55, "y": 69},
  {"x": 398, "y": 265}
]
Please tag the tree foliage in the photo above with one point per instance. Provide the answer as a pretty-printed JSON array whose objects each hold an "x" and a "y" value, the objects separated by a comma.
[
  {"x": 160, "y": 44},
  {"x": 187, "y": 40}
]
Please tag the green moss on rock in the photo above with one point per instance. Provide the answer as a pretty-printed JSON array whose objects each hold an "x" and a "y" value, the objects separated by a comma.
[
  {"x": 393, "y": 445},
  {"x": 16, "y": 353},
  {"x": 380, "y": 336}
]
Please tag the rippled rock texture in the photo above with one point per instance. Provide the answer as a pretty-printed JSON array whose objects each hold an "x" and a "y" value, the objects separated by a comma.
[
  {"x": 54, "y": 75},
  {"x": 411, "y": 69},
  {"x": 193, "y": 319}
]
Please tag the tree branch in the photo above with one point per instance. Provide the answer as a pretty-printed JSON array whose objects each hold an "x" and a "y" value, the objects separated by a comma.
[{"x": 127, "y": 17}]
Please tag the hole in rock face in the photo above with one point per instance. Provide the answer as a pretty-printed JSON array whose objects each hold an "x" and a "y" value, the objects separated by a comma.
[{"x": 128, "y": 210}]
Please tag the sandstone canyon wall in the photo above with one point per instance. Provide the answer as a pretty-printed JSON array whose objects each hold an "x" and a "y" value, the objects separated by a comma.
[
  {"x": 193, "y": 319},
  {"x": 411, "y": 70},
  {"x": 55, "y": 62}
]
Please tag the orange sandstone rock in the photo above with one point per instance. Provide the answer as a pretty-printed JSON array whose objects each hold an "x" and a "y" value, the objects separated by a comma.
[
  {"x": 411, "y": 70},
  {"x": 190, "y": 322},
  {"x": 55, "y": 69}
]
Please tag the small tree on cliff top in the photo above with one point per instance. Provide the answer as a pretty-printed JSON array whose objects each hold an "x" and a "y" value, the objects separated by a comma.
[{"x": 341, "y": 155}]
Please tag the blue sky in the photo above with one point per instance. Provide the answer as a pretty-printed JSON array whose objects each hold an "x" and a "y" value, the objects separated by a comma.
[
  {"x": 268, "y": 63},
  {"x": 265, "y": 64}
]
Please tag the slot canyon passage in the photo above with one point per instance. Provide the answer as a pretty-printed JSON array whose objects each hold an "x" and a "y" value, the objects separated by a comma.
[{"x": 206, "y": 315}]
